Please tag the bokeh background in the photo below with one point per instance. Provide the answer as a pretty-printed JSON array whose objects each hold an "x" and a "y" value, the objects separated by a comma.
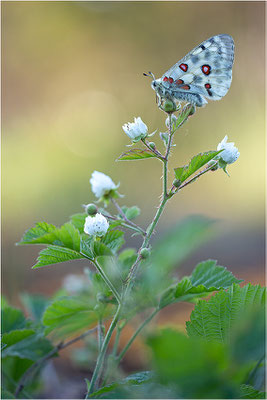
[{"x": 72, "y": 76}]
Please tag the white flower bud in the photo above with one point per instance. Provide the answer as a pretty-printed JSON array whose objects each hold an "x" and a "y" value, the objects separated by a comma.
[
  {"x": 74, "y": 283},
  {"x": 230, "y": 153},
  {"x": 101, "y": 184},
  {"x": 136, "y": 130},
  {"x": 97, "y": 225}
]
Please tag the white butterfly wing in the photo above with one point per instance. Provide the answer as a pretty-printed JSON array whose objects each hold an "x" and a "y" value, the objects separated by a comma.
[{"x": 206, "y": 70}]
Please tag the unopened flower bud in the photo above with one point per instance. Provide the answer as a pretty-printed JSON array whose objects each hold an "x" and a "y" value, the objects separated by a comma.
[
  {"x": 169, "y": 106},
  {"x": 145, "y": 253},
  {"x": 91, "y": 209},
  {"x": 152, "y": 145},
  {"x": 176, "y": 182}
]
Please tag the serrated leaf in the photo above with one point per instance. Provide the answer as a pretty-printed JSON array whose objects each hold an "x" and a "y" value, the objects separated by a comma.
[
  {"x": 68, "y": 315},
  {"x": 34, "y": 304},
  {"x": 100, "y": 249},
  {"x": 113, "y": 240},
  {"x": 197, "y": 162},
  {"x": 248, "y": 392},
  {"x": 56, "y": 254},
  {"x": 78, "y": 220},
  {"x": 131, "y": 212},
  {"x": 11, "y": 319},
  {"x": 66, "y": 236},
  {"x": 41, "y": 233},
  {"x": 136, "y": 154},
  {"x": 86, "y": 246},
  {"x": 207, "y": 277},
  {"x": 213, "y": 319}
]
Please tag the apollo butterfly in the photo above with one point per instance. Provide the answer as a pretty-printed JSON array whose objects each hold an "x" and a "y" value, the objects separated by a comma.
[{"x": 205, "y": 72}]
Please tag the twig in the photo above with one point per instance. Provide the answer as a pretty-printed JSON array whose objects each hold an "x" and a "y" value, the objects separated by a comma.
[
  {"x": 46, "y": 357},
  {"x": 125, "y": 218}
]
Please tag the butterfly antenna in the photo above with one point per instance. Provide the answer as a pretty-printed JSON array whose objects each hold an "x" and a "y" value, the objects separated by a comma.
[{"x": 150, "y": 74}]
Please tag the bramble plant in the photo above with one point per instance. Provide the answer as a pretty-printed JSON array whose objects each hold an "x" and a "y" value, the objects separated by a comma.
[{"x": 220, "y": 356}]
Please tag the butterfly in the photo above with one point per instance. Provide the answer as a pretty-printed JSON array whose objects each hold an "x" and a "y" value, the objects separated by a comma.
[{"x": 205, "y": 72}]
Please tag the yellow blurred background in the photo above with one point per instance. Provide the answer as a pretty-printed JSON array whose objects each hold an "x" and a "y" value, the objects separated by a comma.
[{"x": 72, "y": 76}]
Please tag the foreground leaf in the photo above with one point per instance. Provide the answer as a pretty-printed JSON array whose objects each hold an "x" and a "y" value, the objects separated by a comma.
[
  {"x": 68, "y": 315},
  {"x": 213, "y": 320},
  {"x": 248, "y": 392},
  {"x": 136, "y": 154}
]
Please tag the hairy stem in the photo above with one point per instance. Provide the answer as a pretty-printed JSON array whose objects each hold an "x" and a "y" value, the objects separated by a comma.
[
  {"x": 105, "y": 278},
  {"x": 136, "y": 333},
  {"x": 125, "y": 218},
  {"x": 101, "y": 356}
]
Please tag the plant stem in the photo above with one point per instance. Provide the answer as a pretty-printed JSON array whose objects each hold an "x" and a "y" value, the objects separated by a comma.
[
  {"x": 139, "y": 329},
  {"x": 105, "y": 278},
  {"x": 102, "y": 353},
  {"x": 125, "y": 218},
  {"x": 156, "y": 152},
  {"x": 39, "y": 362},
  {"x": 132, "y": 272}
]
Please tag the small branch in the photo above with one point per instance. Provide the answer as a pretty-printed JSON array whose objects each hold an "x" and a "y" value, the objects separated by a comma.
[
  {"x": 46, "y": 357},
  {"x": 125, "y": 218},
  {"x": 136, "y": 333},
  {"x": 192, "y": 179},
  {"x": 155, "y": 151},
  {"x": 101, "y": 356},
  {"x": 107, "y": 281}
]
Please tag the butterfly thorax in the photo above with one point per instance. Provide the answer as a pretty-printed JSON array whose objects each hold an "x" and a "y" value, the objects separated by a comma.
[{"x": 170, "y": 90}]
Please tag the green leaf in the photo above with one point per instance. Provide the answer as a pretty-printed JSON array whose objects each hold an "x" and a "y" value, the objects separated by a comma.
[
  {"x": 194, "y": 368},
  {"x": 68, "y": 315},
  {"x": 78, "y": 220},
  {"x": 35, "y": 304},
  {"x": 56, "y": 254},
  {"x": 131, "y": 212},
  {"x": 100, "y": 249},
  {"x": 43, "y": 233},
  {"x": 207, "y": 277},
  {"x": 12, "y": 318},
  {"x": 113, "y": 240},
  {"x": 25, "y": 343},
  {"x": 183, "y": 115},
  {"x": 197, "y": 162},
  {"x": 136, "y": 154},
  {"x": 248, "y": 392},
  {"x": 213, "y": 319},
  {"x": 138, "y": 378},
  {"x": 86, "y": 246}
]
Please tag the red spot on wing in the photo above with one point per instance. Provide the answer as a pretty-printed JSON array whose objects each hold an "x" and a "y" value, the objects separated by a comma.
[
  {"x": 179, "y": 82},
  {"x": 184, "y": 67},
  {"x": 185, "y": 87},
  {"x": 165, "y": 79},
  {"x": 171, "y": 80},
  {"x": 207, "y": 85},
  {"x": 206, "y": 69}
]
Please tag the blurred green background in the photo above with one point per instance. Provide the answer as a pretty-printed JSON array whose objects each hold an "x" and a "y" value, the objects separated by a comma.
[{"x": 72, "y": 76}]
